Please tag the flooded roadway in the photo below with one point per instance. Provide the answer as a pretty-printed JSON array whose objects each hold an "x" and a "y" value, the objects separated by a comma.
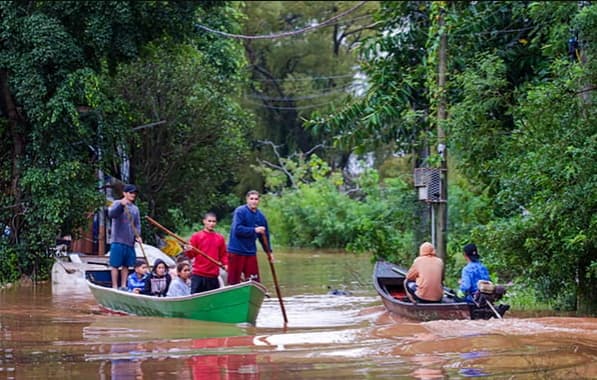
[{"x": 48, "y": 332}]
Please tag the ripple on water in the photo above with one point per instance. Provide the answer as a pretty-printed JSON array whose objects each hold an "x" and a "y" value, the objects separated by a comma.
[{"x": 314, "y": 311}]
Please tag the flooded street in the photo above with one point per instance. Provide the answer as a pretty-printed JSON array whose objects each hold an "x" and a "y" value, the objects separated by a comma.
[{"x": 50, "y": 332}]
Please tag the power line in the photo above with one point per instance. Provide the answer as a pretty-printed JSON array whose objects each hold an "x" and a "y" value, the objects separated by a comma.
[
  {"x": 288, "y": 108},
  {"x": 350, "y": 75},
  {"x": 341, "y": 90},
  {"x": 283, "y": 34}
]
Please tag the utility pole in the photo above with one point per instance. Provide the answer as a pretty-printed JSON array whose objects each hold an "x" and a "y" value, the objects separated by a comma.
[{"x": 441, "y": 214}]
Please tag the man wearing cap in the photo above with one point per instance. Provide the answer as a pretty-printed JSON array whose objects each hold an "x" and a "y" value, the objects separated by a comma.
[
  {"x": 126, "y": 229},
  {"x": 471, "y": 273}
]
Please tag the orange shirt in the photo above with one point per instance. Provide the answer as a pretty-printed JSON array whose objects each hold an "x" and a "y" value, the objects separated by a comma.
[{"x": 427, "y": 271}]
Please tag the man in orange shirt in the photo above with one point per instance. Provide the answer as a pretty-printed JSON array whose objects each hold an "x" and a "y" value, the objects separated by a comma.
[
  {"x": 208, "y": 241},
  {"x": 425, "y": 276}
]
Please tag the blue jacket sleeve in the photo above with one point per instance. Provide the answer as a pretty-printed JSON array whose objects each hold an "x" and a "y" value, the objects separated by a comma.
[{"x": 465, "y": 281}]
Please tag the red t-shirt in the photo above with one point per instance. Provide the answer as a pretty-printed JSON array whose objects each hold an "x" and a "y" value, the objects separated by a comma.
[{"x": 213, "y": 245}]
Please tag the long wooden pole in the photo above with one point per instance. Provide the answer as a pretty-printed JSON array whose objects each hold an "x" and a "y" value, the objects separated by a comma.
[
  {"x": 441, "y": 220},
  {"x": 181, "y": 240},
  {"x": 271, "y": 266},
  {"x": 136, "y": 233}
]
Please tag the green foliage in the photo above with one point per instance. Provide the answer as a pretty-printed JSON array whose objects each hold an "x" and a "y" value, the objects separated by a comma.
[
  {"x": 524, "y": 296},
  {"x": 223, "y": 55},
  {"x": 194, "y": 147},
  {"x": 393, "y": 110},
  {"x": 551, "y": 171},
  {"x": 58, "y": 124},
  {"x": 376, "y": 218},
  {"x": 11, "y": 267},
  {"x": 478, "y": 121},
  {"x": 521, "y": 129},
  {"x": 309, "y": 72}
]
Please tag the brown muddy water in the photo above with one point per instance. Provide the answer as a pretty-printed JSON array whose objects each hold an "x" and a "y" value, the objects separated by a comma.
[{"x": 53, "y": 331}]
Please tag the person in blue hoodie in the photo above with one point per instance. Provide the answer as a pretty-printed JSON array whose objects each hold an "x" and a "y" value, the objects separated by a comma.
[
  {"x": 248, "y": 225},
  {"x": 471, "y": 274},
  {"x": 137, "y": 280},
  {"x": 159, "y": 280}
]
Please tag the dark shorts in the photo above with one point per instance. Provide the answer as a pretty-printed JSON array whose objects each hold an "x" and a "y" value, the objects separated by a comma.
[
  {"x": 203, "y": 284},
  {"x": 122, "y": 255}
]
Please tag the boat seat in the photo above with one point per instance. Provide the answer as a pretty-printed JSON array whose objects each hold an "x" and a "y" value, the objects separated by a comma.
[{"x": 94, "y": 280}]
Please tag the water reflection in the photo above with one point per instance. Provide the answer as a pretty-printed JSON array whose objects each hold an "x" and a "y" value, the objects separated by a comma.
[
  {"x": 63, "y": 335},
  {"x": 240, "y": 365}
]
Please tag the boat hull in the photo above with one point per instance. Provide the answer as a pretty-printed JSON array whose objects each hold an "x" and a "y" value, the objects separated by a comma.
[
  {"x": 68, "y": 271},
  {"x": 238, "y": 303},
  {"x": 390, "y": 287}
]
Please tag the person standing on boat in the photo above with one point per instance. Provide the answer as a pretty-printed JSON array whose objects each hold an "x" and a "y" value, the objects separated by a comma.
[
  {"x": 424, "y": 278},
  {"x": 126, "y": 229},
  {"x": 207, "y": 241},
  {"x": 248, "y": 224},
  {"x": 180, "y": 284},
  {"x": 471, "y": 274}
]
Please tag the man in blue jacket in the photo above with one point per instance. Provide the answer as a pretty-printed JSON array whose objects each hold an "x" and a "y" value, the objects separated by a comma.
[
  {"x": 248, "y": 224},
  {"x": 471, "y": 273}
]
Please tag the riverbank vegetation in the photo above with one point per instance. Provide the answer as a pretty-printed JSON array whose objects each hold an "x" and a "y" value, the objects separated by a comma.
[{"x": 329, "y": 122}]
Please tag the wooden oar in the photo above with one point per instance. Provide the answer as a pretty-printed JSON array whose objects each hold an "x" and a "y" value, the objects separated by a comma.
[
  {"x": 271, "y": 266},
  {"x": 181, "y": 240},
  {"x": 137, "y": 236}
]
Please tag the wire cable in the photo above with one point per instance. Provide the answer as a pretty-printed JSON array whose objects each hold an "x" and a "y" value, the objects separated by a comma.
[
  {"x": 341, "y": 90},
  {"x": 339, "y": 76},
  {"x": 288, "y": 108},
  {"x": 283, "y": 34}
]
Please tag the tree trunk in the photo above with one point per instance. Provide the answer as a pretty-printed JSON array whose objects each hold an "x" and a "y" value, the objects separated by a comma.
[
  {"x": 586, "y": 297},
  {"x": 18, "y": 149}
]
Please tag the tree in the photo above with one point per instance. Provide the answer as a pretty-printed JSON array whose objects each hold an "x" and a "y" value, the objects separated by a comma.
[
  {"x": 295, "y": 76},
  {"x": 195, "y": 139},
  {"x": 513, "y": 107},
  {"x": 55, "y": 117}
]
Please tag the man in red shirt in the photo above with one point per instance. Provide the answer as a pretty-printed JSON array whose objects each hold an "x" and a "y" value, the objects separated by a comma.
[{"x": 208, "y": 242}]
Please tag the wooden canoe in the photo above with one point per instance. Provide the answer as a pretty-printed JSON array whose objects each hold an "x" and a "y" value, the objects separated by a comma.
[
  {"x": 238, "y": 303},
  {"x": 390, "y": 286}
]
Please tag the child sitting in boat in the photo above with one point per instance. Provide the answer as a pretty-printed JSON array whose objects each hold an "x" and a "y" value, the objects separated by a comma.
[
  {"x": 136, "y": 281},
  {"x": 180, "y": 285},
  {"x": 159, "y": 280}
]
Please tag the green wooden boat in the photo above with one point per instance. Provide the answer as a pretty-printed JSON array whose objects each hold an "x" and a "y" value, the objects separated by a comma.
[{"x": 238, "y": 303}]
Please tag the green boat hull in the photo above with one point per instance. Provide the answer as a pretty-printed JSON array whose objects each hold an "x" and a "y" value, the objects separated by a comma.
[{"x": 238, "y": 303}]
